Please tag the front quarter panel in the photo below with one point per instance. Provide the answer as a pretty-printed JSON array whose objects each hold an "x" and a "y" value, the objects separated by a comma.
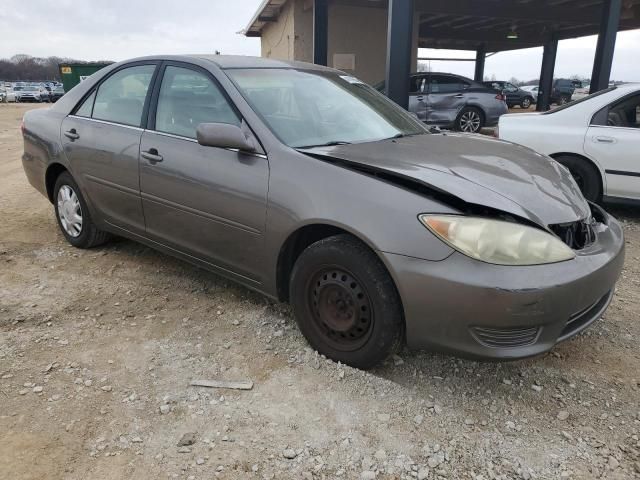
[{"x": 305, "y": 191}]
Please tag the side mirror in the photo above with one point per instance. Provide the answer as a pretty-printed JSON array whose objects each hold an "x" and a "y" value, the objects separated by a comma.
[{"x": 223, "y": 135}]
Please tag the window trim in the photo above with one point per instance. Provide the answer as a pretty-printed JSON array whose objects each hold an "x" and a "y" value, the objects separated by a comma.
[
  {"x": 153, "y": 104},
  {"x": 94, "y": 89}
]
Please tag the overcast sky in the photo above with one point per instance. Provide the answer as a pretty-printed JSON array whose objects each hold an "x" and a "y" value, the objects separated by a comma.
[{"x": 120, "y": 29}]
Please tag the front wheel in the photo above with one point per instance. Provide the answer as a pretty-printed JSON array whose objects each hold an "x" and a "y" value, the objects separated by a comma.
[
  {"x": 73, "y": 215},
  {"x": 345, "y": 302},
  {"x": 470, "y": 120},
  {"x": 586, "y": 176},
  {"x": 526, "y": 102}
]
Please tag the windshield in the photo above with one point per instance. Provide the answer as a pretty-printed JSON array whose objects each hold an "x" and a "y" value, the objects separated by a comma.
[{"x": 306, "y": 108}]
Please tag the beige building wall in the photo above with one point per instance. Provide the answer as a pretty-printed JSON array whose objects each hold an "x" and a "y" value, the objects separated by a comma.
[
  {"x": 357, "y": 36},
  {"x": 277, "y": 38}
]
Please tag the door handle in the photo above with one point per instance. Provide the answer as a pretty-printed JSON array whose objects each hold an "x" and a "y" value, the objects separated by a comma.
[
  {"x": 420, "y": 98},
  {"x": 459, "y": 96},
  {"x": 152, "y": 155},
  {"x": 72, "y": 134},
  {"x": 605, "y": 140}
]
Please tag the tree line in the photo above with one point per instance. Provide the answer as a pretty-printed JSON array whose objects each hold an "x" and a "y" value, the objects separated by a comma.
[{"x": 28, "y": 68}]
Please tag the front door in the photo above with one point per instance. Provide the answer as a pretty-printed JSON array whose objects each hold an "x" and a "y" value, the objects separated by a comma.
[
  {"x": 207, "y": 202},
  {"x": 613, "y": 139},
  {"x": 102, "y": 141}
]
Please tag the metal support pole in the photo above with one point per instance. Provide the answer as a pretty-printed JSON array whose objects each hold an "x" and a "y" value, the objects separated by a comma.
[
  {"x": 546, "y": 75},
  {"x": 481, "y": 54},
  {"x": 603, "y": 60},
  {"x": 320, "y": 31},
  {"x": 399, "y": 40}
]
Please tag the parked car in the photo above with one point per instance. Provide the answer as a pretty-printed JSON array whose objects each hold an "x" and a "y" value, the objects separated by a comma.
[
  {"x": 56, "y": 93},
  {"x": 305, "y": 184},
  {"x": 31, "y": 93},
  {"x": 596, "y": 138},
  {"x": 451, "y": 101},
  {"x": 562, "y": 91},
  {"x": 514, "y": 95},
  {"x": 533, "y": 90},
  {"x": 581, "y": 92}
]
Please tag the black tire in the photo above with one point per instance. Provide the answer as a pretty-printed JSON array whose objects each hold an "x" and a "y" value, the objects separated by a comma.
[
  {"x": 462, "y": 125},
  {"x": 585, "y": 174},
  {"x": 345, "y": 302},
  {"x": 89, "y": 235},
  {"x": 526, "y": 102}
]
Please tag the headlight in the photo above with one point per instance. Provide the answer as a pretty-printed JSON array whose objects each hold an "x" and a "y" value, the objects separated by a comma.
[{"x": 495, "y": 241}]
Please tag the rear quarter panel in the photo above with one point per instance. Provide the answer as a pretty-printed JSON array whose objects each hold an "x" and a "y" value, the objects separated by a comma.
[{"x": 42, "y": 145}]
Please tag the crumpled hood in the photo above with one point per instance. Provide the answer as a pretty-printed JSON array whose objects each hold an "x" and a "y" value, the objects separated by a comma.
[{"x": 478, "y": 170}]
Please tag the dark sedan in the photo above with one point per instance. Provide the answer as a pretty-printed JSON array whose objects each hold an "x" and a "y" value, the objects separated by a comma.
[
  {"x": 514, "y": 95},
  {"x": 305, "y": 184}
]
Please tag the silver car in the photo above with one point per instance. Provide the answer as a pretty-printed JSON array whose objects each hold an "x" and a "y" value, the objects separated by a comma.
[{"x": 309, "y": 186}]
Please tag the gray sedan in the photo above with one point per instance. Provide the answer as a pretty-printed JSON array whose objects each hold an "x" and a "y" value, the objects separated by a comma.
[{"x": 307, "y": 185}]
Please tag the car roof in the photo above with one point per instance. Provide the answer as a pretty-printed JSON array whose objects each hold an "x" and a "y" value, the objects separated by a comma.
[{"x": 238, "y": 61}]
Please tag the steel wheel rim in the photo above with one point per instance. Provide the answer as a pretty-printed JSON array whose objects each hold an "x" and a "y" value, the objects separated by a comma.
[
  {"x": 69, "y": 211},
  {"x": 470, "y": 122},
  {"x": 526, "y": 103},
  {"x": 341, "y": 309}
]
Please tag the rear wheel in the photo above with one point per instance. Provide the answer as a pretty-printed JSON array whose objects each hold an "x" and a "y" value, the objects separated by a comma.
[
  {"x": 470, "y": 120},
  {"x": 345, "y": 302},
  {"x": 585, "y": 174},
  {"x": 73, "y": 215}
]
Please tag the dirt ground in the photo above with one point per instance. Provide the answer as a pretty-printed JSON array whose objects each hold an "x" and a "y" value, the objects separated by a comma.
[{"x": 98, "y": 347}]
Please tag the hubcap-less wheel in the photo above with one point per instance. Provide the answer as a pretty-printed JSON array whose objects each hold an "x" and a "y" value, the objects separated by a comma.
[
  {"x": 341, "y": 309},
  {"x": 69, "y": 211},
  {"x": 470, "y": 121}
]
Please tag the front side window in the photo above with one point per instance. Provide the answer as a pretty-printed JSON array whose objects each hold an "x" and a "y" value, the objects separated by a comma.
[
  {"x": 306, "y": 108},
  {"x": 120, "y": 98},
  {"x": 188, "y": 98}
]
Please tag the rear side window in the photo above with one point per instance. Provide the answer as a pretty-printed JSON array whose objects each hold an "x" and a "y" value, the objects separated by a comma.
[
  {"x": 445, "y": 84},
  {"x": 624, "y": 114},
  {"x": 120, "y": 98},
  {"x": 86, "y": 109},
  {"x": 188, "y": 98}
]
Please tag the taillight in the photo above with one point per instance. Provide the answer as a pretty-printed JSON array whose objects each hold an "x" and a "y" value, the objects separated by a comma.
[{"x": 501, "y": 97}]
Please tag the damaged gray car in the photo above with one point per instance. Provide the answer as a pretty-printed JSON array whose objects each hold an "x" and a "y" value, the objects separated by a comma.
[{"x": 305, "y": 184}]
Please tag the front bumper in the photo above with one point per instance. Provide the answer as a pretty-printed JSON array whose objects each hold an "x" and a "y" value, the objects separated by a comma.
[{"x": 470, "y": 308}]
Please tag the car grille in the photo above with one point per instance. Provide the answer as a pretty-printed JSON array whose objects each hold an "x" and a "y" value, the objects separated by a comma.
[
  {"x": 505, "y": 337},
  {"x": 577, "y": 235}
]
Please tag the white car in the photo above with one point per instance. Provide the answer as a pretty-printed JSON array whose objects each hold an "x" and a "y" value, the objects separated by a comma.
[
  {"x": 533, "y": 89},
  {"x": 7, "y": 94},
  {"x": 597, "y": 138}
]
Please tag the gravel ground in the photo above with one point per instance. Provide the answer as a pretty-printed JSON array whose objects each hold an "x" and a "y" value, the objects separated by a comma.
[{"x": 98, "y": 348}]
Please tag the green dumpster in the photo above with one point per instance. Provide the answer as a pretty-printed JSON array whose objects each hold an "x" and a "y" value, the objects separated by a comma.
[{"x": 73, "y": 73}]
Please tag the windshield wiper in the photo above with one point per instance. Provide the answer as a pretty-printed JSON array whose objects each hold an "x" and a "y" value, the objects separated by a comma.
[{"x": 327, "y": 144}]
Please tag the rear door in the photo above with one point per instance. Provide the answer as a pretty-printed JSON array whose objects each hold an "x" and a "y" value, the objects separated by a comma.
[
  {"x": 206, "y": 202},
  {"x": 418, "y": 96},
  {"x": 445, "y": 98},
  {"x": 101, "y": 139},
  {"x": 613, "y": 139}
]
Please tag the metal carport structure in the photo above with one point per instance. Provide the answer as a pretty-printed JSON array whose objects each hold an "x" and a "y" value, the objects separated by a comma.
[{"x": 482, "y": 26}]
